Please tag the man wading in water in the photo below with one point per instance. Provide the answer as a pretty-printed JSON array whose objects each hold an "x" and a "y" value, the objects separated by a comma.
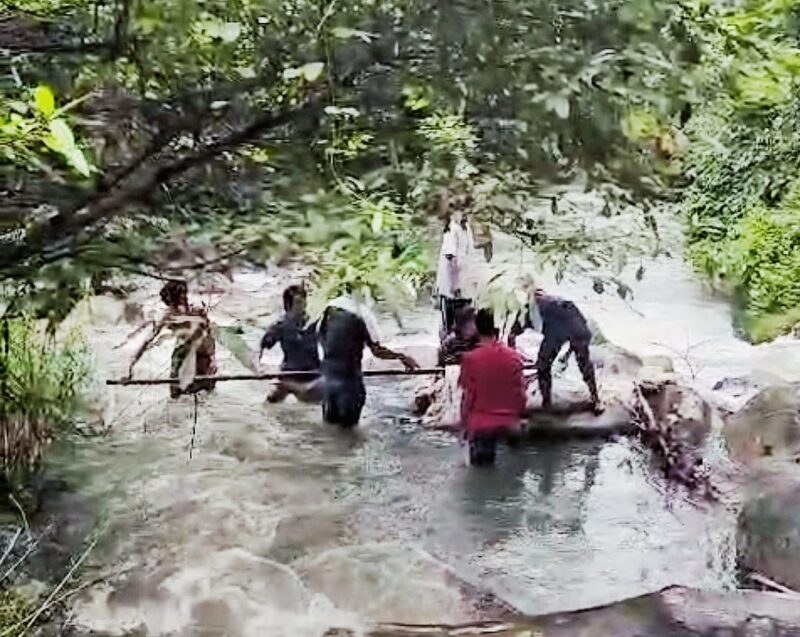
[
  {"x": 194, "y": 353},
  {"x": 562, "y": 322},
  {"x": 298, "y": 340},
  {"x": 347, "y": 326},
  {"x": 494, "y": 393}
]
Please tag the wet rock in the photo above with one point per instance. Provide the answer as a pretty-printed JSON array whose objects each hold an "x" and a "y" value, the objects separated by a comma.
[
  {"x": 768, "y": 534},
  {"x": 767, "y": 426},
  {"x": 674, "y": 612},
  {"x": 682, "y": 409}
]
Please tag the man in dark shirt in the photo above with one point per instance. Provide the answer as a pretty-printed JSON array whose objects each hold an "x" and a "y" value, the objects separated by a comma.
[
  {"x": 298, "y": 340},
  {"x": 562, "y": 322},
  {"x": 346, "y": 328},
  {"x": 461, "y": 340}
]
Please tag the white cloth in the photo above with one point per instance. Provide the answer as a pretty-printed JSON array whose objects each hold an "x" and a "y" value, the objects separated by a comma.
[
  {"x": 454, "y": 261},
  {"x": 350, "y": 304}
]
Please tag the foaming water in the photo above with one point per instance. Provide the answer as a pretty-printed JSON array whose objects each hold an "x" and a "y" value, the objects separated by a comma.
[{"x": 260, "y": 520}]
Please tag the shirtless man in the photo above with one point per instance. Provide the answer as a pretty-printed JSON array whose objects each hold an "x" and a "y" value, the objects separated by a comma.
[{"x": 195, "y": 342}]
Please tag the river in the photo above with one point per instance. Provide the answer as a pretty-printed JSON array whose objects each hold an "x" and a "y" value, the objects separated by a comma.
[{"x": 260, "y": 520}]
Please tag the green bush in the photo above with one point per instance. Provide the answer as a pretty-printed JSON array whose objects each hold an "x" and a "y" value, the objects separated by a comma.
[{"x": 40, "y": 392}]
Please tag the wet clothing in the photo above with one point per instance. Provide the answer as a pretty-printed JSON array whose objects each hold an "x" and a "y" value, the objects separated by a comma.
[
  {"x": 343, "y": 336},
  {"x": 345, "y": 330},
  {"x": 342, "y": 400},
  {"x": 454, "y": 347},
  {"x": 298, "y": 341},
  {"x": 562, "y": 322},
  {"x": 449, "y": 308},
  {"x": 482, "y": 450},
  {"x": 494, "y": 389},
  {"x": 205, "y": 364}
]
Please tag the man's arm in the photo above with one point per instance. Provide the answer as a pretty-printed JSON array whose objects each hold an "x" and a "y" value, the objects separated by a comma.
[
  {"x": 270, "y": 338},
  {"x": 384, "y": 353},
  {"x": 157, "y": 327}
]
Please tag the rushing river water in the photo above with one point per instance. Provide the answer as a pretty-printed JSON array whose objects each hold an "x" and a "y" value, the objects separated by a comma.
[{"x": 279, "y": 525}]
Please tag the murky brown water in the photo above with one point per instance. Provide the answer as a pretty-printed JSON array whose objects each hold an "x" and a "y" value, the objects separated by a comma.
[{"x": 279, "y": 525}]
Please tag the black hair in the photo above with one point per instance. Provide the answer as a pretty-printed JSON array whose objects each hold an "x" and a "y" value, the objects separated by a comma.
[
  {"x": 484, "y": 321},
  {"x": 464, "y": 315},
  {"x": 290, "y": 294},
  {"x": 174, "y": 293}
]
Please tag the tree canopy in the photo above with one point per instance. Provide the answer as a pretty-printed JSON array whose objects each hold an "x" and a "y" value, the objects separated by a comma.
[{"x": 157, "y": 136}]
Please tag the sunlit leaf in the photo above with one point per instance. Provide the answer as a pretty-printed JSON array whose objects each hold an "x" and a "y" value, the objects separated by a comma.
[
  {"x": 44, "y": 100},
  {"x": 311, "y": 71},
  {"x": 343, "y": 33},
  {"x": 61, "y": 138}
]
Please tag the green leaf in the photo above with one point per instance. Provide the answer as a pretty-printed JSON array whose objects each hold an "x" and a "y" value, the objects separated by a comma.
[
  {"x": 61, "y": 138},
  {"x": 229, "y": 31},
  {"x": 45, "y": 102},
  {"x": 343, "y": 33},
  {"x": 377, "y": 221},
  {"x": 235, "y": 344},
  {"x": 559, "y": 104},
  {"x": 311, "y": 71},
  {"x": 77, "y": 160}
]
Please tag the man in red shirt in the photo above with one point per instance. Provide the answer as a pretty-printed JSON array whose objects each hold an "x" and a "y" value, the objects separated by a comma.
[{"x": 494, "y": 392}]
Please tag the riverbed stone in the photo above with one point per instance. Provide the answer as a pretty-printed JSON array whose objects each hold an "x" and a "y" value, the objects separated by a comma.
[
  {"x": 767, "y": 426},
  {"x": 768, "y": 534},
  {"x": 673, "y": 612}
]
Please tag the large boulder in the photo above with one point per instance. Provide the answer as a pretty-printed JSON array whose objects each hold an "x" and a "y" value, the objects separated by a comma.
[
  {"x": 768, "y": 534},
  {"x": 767, "y": 426}
]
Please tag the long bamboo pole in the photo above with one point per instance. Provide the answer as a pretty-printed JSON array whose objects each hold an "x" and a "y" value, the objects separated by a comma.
[{"x": 370, "y": 373}]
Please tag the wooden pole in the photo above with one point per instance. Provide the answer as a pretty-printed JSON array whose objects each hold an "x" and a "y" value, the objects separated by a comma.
[{"x": 369, "y": 373}]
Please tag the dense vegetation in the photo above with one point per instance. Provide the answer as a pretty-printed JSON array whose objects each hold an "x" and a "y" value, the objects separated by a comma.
[
  {"x": 743, "y": 202},
  {"x": 40, "y": 395},
  {"x": 165, "y": 137}
]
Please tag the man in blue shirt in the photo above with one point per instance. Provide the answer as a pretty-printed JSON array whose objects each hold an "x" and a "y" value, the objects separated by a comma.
[{"x": 298, "y": 341}]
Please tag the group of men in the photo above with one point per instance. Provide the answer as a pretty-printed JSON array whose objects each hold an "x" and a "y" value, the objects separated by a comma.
[
  {"x": 491, "y": 373},
  {"x": 346, "y": 328}
]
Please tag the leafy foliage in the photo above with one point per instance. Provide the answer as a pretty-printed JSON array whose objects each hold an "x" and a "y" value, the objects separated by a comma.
[
  {"x": 40, "y": 385},
  {"x": 743, "y": 205},
  {"x": 243, "y": 120}
]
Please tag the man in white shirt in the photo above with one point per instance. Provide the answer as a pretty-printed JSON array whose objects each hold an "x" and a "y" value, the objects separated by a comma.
[{"x": 451, "y": 275}]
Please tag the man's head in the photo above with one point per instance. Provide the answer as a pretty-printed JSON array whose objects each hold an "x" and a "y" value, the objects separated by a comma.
[
  {"x": 539, "y": 293},
  {"x": 484, "y": 322},
  {"x": 465, "y": 322},
  {"x": 175, "y": 294},
  {"x": 294, "y": 299}
]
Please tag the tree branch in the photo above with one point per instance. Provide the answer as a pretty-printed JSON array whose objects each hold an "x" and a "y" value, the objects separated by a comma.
[{"x": 60, "y": 235}]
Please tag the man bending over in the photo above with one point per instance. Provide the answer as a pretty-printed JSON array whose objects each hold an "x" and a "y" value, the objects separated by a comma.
[{"x": 562, "y": 322}]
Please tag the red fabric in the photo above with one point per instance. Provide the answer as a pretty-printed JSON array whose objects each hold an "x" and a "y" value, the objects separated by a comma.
[{"x": 494, "y": 388}]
